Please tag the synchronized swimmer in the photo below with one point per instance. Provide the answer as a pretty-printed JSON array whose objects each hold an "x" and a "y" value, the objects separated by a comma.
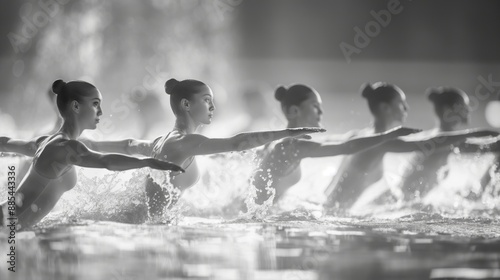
[
  {"x": 193, "y": 105},
  {"x": 388, "y": 105},
  {"x": 280, "y": 168},
  {"x": 52, "y": 169}
]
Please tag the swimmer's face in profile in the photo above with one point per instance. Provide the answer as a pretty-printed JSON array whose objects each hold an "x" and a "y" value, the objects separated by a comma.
[
  {"x": 90, "y": 109},
  {"x": 310, "y": 111},
  {"x": 387, "y": 102},
  {"x": 452, "y": 105},
  {"x": 202, "y": 106},
  {"x": 301, "y": 105},
  {"x": 399, "y": 107},
  {"x": 457, "y": 113},
  {"x": 191, "y": 99}
]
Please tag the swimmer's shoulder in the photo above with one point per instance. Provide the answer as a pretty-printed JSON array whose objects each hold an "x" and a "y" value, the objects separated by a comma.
[
  {"x": 60, "y": 146},
  {"x": 173, "y": 142},
  {"x": 56, "y": 148},
  {"x": 51, "y": 142}
]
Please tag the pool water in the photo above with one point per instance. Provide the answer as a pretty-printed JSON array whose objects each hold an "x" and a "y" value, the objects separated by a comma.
[{"x": 329, "y": 248}]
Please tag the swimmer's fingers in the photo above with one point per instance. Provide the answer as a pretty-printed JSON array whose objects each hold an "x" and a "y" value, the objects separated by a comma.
[
  {"x": 174, "y": 167},
  {"x": 165, "y": 165},
  {"x": 403, "y": 131},
  {"x": 305, "y": 130}
]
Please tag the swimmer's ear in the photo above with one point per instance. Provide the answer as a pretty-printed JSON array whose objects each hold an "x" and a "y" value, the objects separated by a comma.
[
  {"x": 292, "y": 112},
  {"x": 185, "y": 104},
  {"x": 384, "y": 107},
  {"x": 75, "y": 106}
]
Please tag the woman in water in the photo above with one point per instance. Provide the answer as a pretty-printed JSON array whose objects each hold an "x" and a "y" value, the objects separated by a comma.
[
  {"x": 193, "y": 106},
  {"x": 451, "y": 106},
  {"x": 280, "y": 166},
  {"x": 388, "y": 105},
  {"x": 52, "y": 170}
]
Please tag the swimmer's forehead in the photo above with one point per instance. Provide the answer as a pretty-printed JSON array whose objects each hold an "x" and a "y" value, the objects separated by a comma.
[
  {"x": 314, "y": 97},
  {"x": 95, "y": 94},
  {"x": 205, "y": 90},
  {"x": 317, "y": 96},
  {"x": 401, "y": 93}
]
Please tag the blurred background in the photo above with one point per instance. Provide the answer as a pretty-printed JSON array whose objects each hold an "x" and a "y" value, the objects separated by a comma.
[{"x": 243, "y": 49}]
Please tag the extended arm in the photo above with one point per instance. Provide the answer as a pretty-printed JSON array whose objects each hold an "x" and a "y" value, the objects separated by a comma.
[
  {"x": 196, "y": 144},
  {"x": 431, "y": 144},
  {"x": 24, "y": 147},
  {"x": 126, "y": 146},
  {"x": 314, "y": 149},
  {"x": 75, "y": 152}
]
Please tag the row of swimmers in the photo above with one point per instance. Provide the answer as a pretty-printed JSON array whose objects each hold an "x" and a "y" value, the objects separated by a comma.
[{"x": 54, "y": 156}]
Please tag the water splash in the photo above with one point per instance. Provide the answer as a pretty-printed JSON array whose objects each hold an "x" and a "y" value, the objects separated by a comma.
[
  {"x": 226, "y": 191},
  {"x": 105, "y": 195},
  {"x": 172, "y": 211}
]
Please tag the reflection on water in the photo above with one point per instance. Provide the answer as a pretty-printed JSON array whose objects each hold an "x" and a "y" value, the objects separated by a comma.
[{"x": 333, "y": 248}]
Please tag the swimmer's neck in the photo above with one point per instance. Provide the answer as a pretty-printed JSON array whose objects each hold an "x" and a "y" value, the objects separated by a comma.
[
  {"x": 291, "y": 125},
  {"x": 380, "y": 126},
  {"x": 186, "y": 126},
  {"x": 71, "y": 129},
  {"x": 295, "y": 124}
]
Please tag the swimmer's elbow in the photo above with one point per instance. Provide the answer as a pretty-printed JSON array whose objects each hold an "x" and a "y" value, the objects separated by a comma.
[
  {"x": 239, "y": 143},
  {"x": 105, "y": 162}
]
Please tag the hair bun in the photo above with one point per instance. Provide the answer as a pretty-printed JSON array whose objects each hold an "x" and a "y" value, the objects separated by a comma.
[
  {"x": 58, "y": 86},
  {"x": 280, "y": 93},
  {"x": 433, "y": 94},
  {"x": 170, "y": 85},
  {"x": 366, "y": 90}
]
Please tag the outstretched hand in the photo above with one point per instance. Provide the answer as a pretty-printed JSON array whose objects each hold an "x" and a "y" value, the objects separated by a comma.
[
  {"x": 164, "y": 165},
  {"x": 403, "y": 131},
  {"x": 301, "y": 132}
]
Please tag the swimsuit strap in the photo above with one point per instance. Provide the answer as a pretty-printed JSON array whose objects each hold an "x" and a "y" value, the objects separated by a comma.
[
  {"x": 191, "y": 161},
  {"x": 35, "y": 159},
  {"x": 154, "y": 153}
]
